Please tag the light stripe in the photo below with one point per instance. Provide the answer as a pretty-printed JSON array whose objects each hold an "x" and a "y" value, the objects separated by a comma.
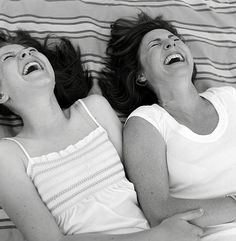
[
  {"x": 90, "y": 165},
  {"x": 86, "y": 180}
]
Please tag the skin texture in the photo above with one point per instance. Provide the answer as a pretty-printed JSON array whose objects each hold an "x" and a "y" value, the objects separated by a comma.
[
  {"x": 145, "y": 148},
  {"x": 47, "y": 128}
]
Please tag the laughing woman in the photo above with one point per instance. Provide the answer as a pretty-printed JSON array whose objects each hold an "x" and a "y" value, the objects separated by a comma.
[
  {"x": 61, "y": 177},
  {"x": 179, "y": 145}
]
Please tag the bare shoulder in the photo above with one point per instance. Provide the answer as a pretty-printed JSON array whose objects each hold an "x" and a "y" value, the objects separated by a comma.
[
  {"x": 10, "y": 155},
  {"x": 106, "y": 117},
  {"x": 101, "y": 109},
  {"x": 5, "y": 148},
  {"x": 97, "y": 102},
  {"x": 136, "y": 127}
]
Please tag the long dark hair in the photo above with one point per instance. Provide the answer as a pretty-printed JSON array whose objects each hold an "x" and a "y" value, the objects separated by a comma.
[
  {"x": 72, "y": 80},
  {"x": 122, "y": 67}
]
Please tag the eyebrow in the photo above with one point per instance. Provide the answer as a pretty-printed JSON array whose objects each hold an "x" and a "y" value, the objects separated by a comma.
[
  {"x": 158, "y": 39},
  {"x": 3, "y": 54},
  {"x": 11, "y": 52}
]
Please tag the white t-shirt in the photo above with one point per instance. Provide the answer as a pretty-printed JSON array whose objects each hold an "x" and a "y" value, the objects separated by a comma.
[{"x": 199, "y": 166}]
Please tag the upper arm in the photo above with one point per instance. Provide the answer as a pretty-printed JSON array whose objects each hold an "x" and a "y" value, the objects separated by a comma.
[
  {"x": 107, "y": 118},
  {"x": 21, "y": 201},
  {"x": 145, "y": 162}
]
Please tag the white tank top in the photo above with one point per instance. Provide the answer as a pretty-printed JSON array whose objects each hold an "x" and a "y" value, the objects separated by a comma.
[{"x": 85, "y": 188}]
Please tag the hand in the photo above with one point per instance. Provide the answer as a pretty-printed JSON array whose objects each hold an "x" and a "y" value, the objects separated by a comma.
[{"x": 177, "y": 227}]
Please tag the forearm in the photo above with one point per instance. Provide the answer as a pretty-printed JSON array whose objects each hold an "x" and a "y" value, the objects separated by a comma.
[
  {"x": 139, "y": 236},
  {"x": 216, "y": 211},
  {"x": 175, "y": 228}
]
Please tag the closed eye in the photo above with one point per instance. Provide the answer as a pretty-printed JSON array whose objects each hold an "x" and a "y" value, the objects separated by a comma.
[
  {"x": 32, "y": 50},
  {"x": 156, "y": 43},
  {"x": 7, "y": 57}
]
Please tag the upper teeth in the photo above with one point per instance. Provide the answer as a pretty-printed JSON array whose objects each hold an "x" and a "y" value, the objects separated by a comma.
[
  {"x": 172, "y": 56},
  {"x": 27, "y": 66}
]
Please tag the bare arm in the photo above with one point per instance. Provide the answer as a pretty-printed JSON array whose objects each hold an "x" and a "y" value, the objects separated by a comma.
[
  {"x": 145, "y": 164},
  {"x": 21, "y": 201}
]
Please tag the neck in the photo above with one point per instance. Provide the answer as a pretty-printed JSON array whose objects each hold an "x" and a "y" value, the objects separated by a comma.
[
  {"x": 180, "y": 100},
  {"x": 42, "y": 117}
]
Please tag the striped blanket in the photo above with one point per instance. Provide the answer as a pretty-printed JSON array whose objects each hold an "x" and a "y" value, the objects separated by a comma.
[{"x": 208, "y": 26}]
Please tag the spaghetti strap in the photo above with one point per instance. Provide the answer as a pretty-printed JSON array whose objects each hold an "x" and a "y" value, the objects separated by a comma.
[
  {"x": 19, "y": 144},
  {"x": 89, "y": 113}
]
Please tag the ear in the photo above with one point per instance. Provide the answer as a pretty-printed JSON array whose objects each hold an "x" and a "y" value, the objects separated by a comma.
[
  {"x": 3, "y": 98},
  {"x": 141, "y": 80}
]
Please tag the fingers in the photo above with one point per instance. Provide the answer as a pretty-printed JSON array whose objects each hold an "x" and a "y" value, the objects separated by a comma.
[
  {"x": 196, "y": 230},
  {"x": 190, "y": 215}
]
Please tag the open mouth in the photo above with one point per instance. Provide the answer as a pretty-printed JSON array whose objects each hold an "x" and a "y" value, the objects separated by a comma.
[
  {"x": 174, "y": 58},
  {"x": 31, "y": 67}
]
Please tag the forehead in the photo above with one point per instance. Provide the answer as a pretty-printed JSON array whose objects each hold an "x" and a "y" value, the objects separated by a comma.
[
  {"x": 10, "y": 48},
  {"x": 156, "y": 34}
]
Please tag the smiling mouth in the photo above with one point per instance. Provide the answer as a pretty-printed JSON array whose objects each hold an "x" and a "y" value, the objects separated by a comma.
[
  {"x": 174, "y": 58},
  {"x": 31, "y": 67}
]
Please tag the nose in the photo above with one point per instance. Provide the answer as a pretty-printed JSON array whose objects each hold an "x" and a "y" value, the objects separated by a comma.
[
  {"x": 26, "y": 52},
  {"x": 169, "y": 44}
]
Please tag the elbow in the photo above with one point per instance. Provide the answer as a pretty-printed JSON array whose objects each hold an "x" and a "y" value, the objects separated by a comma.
[
  {"x": 156, "y": 218},
  {"x": 161, "y": 211}
]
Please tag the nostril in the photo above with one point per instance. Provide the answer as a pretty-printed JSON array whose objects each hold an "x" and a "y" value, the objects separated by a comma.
[
  {"x": 168, "y": 46},
  {"x": 23, "y": 55}
]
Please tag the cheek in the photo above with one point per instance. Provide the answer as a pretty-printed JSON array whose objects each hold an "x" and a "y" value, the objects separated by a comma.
[
  {"x": 153, "y": 65},
  {"x": 9, "y": 76},
  {"x": 52, "y": 74},
  {"x": 50, "y": 70}
]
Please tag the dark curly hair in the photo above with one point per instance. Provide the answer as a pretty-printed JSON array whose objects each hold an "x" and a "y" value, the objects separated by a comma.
[
  {"x": 122, "y": 66},
  {"x": 72, "y": 80}
]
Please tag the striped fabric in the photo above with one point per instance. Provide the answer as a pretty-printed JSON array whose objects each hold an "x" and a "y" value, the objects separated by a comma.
[
  {"x": 84, "y": 181},
  {"x": 5, "y": 222},
  {"x": 64, "y": 179},
  {"x": 208, "y": 27}
]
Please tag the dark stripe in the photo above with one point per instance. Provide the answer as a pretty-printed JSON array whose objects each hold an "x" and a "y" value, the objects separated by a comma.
[
  {"x": 147, "y": 5},
  {"x": 11, "y": 125},
  {"x": 226, "y": 2},
  {"x": 216, "y": 67},
  {"x": 208, "y": 41},
  {"x": 61, "y": 32},
  {"x": 54, "y": 18},
  {"x": 55, "y": 23},
  {"x": 209, "y": 31},
  {"x": 10, "y": 118},
  {"x": 8, "y": 227},
  {"x": 219, "y": 81},
  {"x": 5, "y": 220},
  {"x": 201, "y": 25},
  {"x": 221, "y": 63},
  {"x": 66, "y": 34},
  {"x": 216, "y": 75}
]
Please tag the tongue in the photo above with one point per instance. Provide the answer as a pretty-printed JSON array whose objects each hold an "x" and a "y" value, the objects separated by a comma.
[
  {"x": 31, "y": 69},
  {"x": 174, "y": 60}
]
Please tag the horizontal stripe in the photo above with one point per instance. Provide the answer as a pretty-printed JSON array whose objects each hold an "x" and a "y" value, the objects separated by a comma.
[
  {"x": 4, "y": 220},
  {"x": 7, "y": 227},
  {"x": 87, "y": 180},
  {"x": 87, "y": 188}
]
